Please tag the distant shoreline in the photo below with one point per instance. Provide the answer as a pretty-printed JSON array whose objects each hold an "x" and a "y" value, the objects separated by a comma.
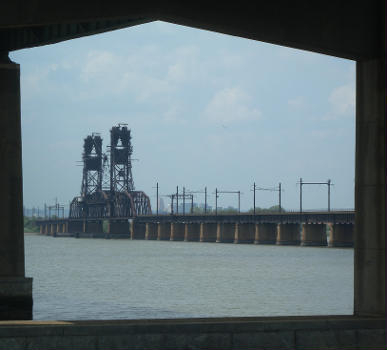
[{"x": 31, "y": 233}]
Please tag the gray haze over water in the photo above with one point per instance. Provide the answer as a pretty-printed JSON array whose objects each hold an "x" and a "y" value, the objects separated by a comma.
[{"x": 124, "y": 279}]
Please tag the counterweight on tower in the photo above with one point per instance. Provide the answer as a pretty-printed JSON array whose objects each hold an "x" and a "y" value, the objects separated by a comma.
[{"x": 113, "y": 196}]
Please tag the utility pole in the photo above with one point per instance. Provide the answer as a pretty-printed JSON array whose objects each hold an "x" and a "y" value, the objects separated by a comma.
[
  {"x": 157, "y": 198},
  {"x": 271, "y": 189},
  {"x": 328, "y": 183},
  {"x": 205, "y": 200},
  {"x": 239, "y": 199},
  {"x": 183, "y": 200},
  {"x": 216, "y": 201},
  {"x": 279, "y": 197},
  {"x": 177, "y": 200}
]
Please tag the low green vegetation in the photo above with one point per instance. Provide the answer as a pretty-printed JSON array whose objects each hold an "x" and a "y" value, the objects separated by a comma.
[{"x": 30, "y": 225}]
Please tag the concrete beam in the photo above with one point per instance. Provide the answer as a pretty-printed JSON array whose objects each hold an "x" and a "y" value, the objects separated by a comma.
[{"x": 332, "y": 27}]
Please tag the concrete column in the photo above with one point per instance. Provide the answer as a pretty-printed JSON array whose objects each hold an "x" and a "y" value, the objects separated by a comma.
[
  {"x": 244, "y": 233},
  {"x": 288, "y": 234},
  {"x": 93, "y": 227},
  {"x": 314, "y": 235},
  {"x": 370, "y": 185},
  {"x": 265, "y": 233},
  {"x": 75, "y": 226},
  {"x": 150, "y": 230},
  {"x": 15, "y": 288},
  {"x": 225, "y": 232},
  {"x": 208, "y": 232},
  {"x": 163, "y": 231},
  {"x": 341, "y": 235},
  {"x": 177, "y": 231},
  {"x": 41, "y": 229},
  {"x": 192, "y": 232},
  {"x": 119, "y": 228},
  {"x": 53, "y": 227},
  {"x": 137, "y": 230},
  {"x": 59, "y": 227}
]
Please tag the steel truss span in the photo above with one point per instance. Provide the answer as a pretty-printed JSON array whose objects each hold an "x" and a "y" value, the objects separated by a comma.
[{"x": 118, "y": 198}]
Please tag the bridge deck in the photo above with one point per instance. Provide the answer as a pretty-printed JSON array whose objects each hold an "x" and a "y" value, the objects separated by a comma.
[{"x": 293, "y": 217}]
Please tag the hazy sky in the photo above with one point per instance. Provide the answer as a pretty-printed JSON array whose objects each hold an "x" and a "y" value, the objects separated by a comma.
[{"x": 205, "y": 109}]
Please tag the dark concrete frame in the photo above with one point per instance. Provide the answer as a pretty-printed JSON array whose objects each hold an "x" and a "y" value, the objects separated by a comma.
[{"x": 355, "y": 30}]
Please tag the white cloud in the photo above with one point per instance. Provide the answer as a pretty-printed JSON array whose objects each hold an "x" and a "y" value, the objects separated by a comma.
[
  {"x": 297, "y": 102},
  {"x": 231, "y": 105},
  {"x": 98, "y": 64},
  {"x": 342, "y": 100}
]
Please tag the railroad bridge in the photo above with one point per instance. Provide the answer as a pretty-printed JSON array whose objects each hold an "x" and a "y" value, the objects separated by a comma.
[{"x": 307, "y": 229}]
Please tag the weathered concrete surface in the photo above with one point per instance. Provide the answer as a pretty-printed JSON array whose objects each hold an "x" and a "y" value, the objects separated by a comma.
[
  {"x": 265, "y": 233},
  {"x": 244, "y": 233},
  {"x": 15, "y": 289},
  {"x": 137, "y": 230},
  {"x": 314, "y": 235},
  {"x": 177, "y": 231},
  {"x": 370, "y": 184},
  {"x": 118, "y": 227},
  {"x": 92, "y": 226},
  {"x": 336, "y": 332},
  {"x": 192, "y": 232},
  {"x": 75, "y": 226},
  {"x": 225, "y": 232},
  {"x": 208, "y": 232},
  {"x": 341, "y": 235},
  {"x": 288, "y": 234},
  {"x": 163, "y": 231},
  {"x": 150, "y": 231}
]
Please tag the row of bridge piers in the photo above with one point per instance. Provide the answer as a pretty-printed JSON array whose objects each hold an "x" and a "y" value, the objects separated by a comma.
[{"x": 305, "y": 234}]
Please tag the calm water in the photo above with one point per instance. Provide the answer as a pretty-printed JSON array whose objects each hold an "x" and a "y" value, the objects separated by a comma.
[{"x": 115, "y": 279}]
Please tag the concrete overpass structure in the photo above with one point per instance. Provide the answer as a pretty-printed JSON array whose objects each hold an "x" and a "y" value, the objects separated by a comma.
[{"x": 355, "y": 30}]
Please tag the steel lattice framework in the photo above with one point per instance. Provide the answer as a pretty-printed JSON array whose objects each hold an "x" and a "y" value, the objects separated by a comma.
[{"x": 113, "y": 196}]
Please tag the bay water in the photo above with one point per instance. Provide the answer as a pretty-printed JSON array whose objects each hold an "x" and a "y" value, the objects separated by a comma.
[{"x": 76, "y": 279}]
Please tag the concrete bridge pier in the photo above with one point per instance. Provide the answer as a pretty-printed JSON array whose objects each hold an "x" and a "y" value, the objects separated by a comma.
[
  {"x": 137, "y": 230},
  {"x": 208, "y": 232},
  {"x": 117, "y": 228},
  {"x": 244, "y": 233},
  {"x": 288, "y": 234},
  {"x": 192, "y": 232},
  {"x": 75, "y": 227},
  {"x": 225, "y": 232},
  {"x": 177, "y": 231},
  {"x": 314, "y": 235},
  {"x": 59, "y": 227},
  {"x": 163, "y": 231},
  {"x": 265, "y": 233},
  {"x": 150, "y": 231},
  {"x": 53, "y": 228},
  {"x": 15, "y": 288},
  {"x": 94, "y": 227},
  {"x": 341, "y": 235}
]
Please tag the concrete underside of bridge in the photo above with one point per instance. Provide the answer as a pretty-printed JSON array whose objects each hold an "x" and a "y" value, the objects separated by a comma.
[{"x": 354, "y": 30}]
